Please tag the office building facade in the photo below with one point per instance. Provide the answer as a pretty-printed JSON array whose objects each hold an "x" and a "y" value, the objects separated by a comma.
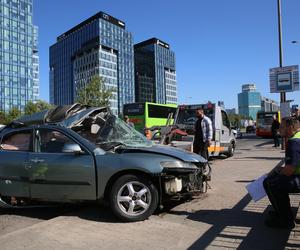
[
  {"x": 19, "y": 70},
  {"x": 155, "y": 72},
  {"x": 249, "y": 101},
  {"x": 98, "y": 46}
]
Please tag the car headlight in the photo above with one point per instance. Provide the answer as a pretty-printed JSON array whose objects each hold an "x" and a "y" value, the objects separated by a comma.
[{"x": 177, "y": 164}]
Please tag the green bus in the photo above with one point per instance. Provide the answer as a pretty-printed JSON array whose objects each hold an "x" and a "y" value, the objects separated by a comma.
[{"x": 147, "y": 114}]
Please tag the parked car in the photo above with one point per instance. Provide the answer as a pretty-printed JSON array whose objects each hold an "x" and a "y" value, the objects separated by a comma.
[{"x": 79, "y": 153}]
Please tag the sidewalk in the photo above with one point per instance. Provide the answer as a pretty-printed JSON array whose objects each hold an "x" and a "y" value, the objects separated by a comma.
[{"x": 224, "y": 218}]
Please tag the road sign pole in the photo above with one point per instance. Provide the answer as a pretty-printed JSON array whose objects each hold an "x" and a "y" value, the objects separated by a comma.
[{"x": 282, "y": 94}]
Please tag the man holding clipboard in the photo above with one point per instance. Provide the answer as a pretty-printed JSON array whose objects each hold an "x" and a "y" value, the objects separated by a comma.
[{"x": 284, "y": 180}]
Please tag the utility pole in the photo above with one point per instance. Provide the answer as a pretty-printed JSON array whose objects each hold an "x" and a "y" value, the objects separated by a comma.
[{"x": 282, "y": 94}]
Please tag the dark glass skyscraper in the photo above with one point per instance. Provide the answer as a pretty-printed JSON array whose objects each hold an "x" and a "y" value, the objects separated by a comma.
[
  {"x": 19, "y": 70},
  {"x": 98, "y": 46},
  {"x": 155, "y": 72}
]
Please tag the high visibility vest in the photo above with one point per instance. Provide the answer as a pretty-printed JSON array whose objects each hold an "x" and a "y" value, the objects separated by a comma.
[{"x": 296, "y": 136}]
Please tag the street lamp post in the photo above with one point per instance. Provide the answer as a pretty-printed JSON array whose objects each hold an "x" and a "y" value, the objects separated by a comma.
[{"x": 282, "y": 94}]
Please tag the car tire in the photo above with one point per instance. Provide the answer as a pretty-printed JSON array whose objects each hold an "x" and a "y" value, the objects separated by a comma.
[
  {"x": 231, "y": 149},
  {"x": 133, "y": 198}
]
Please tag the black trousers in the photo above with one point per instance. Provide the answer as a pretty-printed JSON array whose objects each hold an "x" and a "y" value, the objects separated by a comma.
[
  {"x": 276, "y": 139},
  {"x": 278, "y": 188},
  {"x": 201, "y": 148}
]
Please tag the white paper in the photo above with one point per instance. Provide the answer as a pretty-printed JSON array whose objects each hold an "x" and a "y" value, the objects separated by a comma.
[{"x": 256, "y": 188}]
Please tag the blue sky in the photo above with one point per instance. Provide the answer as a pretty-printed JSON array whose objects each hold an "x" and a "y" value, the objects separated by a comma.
[{"x": 219, "y": 44}]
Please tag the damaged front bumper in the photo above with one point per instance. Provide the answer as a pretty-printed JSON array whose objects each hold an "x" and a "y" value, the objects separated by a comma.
[{"x": 179, "y": 182}]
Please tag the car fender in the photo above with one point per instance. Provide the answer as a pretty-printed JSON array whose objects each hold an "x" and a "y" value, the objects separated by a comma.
[{"x": 111, "y": 164}]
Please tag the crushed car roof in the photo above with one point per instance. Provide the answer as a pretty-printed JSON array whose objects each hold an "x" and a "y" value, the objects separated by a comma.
[{"x": 51, "y": 116}]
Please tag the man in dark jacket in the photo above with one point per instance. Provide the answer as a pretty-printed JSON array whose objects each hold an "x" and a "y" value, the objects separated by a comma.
[
  {"x": 275, "y": 131},
  {"x": 203, "y": 134}
]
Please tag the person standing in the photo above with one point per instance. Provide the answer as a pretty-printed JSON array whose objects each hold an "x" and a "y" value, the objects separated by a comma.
[
  {"x": 203, "y": 134},
  {"x": 275, "y": 131},
  {"x": 127, "y": 120},
  {"x": 285, "y": 180}
]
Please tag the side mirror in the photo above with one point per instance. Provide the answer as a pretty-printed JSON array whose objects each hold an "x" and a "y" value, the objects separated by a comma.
[{"x": 72, "y": 148}]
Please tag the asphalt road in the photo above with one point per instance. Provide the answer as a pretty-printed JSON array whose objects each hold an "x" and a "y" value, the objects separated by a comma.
[{"x": 15, "y": 219}]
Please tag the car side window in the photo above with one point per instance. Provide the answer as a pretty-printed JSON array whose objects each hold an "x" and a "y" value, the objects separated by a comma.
[
  {"x": 225, "y": 119},
  {"x": 51, "y": 141},
  {"x": 18, "y": 141}
]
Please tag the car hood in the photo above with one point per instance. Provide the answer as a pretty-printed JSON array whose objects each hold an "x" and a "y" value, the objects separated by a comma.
[{"x": 166, "y": 150}]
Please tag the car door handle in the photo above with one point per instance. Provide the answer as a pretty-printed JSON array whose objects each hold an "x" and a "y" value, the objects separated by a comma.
[{"x": 36, "y": 160}]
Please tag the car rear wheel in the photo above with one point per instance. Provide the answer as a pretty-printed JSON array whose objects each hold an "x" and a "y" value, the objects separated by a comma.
[{"x": 133, "y": 198}]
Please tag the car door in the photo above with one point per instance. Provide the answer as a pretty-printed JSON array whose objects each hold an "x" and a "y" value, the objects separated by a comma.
[
  {"x": 225, "y": 131},
  {"x": 57, "y": 173},
  {"x": 14, "y": 152}
]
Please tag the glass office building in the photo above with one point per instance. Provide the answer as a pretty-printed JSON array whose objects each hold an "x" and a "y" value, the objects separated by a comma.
[
  {"x": 249, "y": 101},
  {"x": 155, "y": 72},
  {"x": 19, "y": 70},
  {"x": 98, "y": 46}
]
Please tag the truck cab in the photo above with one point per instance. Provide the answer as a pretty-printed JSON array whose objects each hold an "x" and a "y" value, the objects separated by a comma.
[{"x": 223, "y": 142}]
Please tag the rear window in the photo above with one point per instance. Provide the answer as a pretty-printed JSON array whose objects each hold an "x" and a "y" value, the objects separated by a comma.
[{"x": 19, "y": 141}]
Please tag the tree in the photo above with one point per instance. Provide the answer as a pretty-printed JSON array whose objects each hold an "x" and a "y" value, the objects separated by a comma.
[
  {"x": 12, "y": 114},
  {"x": 95, "y": 93},
  {"x": 38, "y": 106},
  {"x": 2, "y": 117}
]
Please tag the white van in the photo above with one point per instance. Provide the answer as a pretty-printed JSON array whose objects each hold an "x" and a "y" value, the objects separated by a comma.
[{"x": 224, "y": 141}]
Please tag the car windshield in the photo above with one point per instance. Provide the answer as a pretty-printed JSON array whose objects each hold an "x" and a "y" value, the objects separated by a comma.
[{"x": 118, "y": 132}]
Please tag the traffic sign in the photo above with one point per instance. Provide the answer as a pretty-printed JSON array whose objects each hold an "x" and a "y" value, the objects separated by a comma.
[{"x": 284, "y": 79}]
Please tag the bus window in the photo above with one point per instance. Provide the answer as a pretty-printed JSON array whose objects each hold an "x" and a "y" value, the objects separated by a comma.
[
  {"x": 134, "y": 109},
  {"x": 156, "y": 111}
]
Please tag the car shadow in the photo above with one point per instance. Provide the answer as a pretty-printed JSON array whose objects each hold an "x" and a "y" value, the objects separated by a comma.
[
  {"x": 45, "y": 212},
  {"x": 238, "y": 228}
]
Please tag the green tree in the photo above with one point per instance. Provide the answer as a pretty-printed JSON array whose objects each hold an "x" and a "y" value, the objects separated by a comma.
[
  {"x": 38, "y": 106},
  {"x": 12, "y": 114},
  {"x": 95, "y": 93},
  {"x": 2, "y": 117}
]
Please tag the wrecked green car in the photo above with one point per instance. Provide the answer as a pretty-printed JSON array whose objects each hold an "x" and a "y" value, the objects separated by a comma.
[{"x": 77, "y": 153}]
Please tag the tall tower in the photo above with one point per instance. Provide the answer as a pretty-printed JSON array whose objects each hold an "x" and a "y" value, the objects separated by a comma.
[
  {"x": 19, "y": 81},
  {"x": 99, "y": 46},
  {"x": 155, "y": 72}
]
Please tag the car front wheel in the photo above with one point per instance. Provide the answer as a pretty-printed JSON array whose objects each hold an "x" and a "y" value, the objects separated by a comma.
[
  {"x": 133, "y": 198},
  {"x": 231, "y": 149}
]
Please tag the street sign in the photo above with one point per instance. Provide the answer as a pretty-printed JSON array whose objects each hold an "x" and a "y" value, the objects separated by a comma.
[
  {"x": 285, "y": 110},
  {"x": 284, "y": 79}
]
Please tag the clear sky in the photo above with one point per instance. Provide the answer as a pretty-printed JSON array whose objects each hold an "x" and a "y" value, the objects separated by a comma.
[{"x": 219, "y": 44}]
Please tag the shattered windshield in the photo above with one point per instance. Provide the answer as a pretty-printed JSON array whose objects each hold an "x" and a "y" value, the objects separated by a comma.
[{"x": 117, "y": 131}]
